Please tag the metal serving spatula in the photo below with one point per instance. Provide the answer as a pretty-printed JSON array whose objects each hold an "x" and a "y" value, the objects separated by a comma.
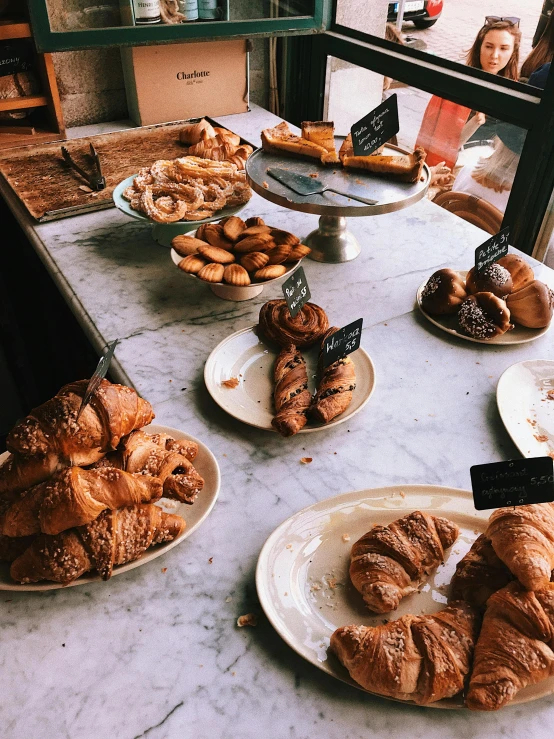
[
  {"x": 99, "y": 373},
  {"x": 309, "y": 186}
]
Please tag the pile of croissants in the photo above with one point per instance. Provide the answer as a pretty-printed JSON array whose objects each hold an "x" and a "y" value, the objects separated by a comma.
[
  {"x": 212, "y": 142},
  {"x": 78, "y": 489},
  {"x": 495, "y": 637}
]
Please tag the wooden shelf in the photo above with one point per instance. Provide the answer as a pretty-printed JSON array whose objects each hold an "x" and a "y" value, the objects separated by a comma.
[
  {"x": 30, "y": 101},
  {"x": 14, "y": 29}
]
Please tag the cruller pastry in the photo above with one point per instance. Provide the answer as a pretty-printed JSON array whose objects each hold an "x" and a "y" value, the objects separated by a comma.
[{"x": 279, "y": 327}]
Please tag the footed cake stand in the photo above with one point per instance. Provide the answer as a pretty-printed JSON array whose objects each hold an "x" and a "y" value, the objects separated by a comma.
[{"x": 331, "y": 242}]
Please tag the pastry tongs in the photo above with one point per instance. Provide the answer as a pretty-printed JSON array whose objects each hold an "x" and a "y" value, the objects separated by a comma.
[
  {"x": 99, "y": 373},
  {"x": 96, "y": 179}
]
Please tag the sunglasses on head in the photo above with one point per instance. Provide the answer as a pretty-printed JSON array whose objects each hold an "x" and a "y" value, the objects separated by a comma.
[{"x": 489, "y": 19}]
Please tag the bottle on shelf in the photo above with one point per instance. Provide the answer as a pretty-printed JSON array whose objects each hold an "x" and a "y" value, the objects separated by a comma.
[
  {"x": 189, "y": 8},
  {"x": 147, "y": 11}
]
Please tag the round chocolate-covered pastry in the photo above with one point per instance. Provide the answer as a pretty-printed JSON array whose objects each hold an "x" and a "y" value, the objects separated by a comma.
[
  {"x": 279, "y": 327},
  {"x": 494, "y": 279},
  {"x": 532, "y": 306},
  {"x": 520, "y": 270},
  {"x": 484, "y": 316},
  {"x": 443, "y": 293}
]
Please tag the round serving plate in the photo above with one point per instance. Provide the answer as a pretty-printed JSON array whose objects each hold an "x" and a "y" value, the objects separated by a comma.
[
  {"x": 194, "y": 515},
  {"x": 247, "y": 358},
  {"x": 525, "y": 399},
  {"x": 302, "y": 573},
  {"x": 518, "y": 335},
  {"x": 163, "y": 233},
  {"x": 235, "y": 292}
]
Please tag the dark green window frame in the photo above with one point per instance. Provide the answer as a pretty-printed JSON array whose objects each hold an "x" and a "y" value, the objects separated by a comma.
[{"x": 47, "y": 40}]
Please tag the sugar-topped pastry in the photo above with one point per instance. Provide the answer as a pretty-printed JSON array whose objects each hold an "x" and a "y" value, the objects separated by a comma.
[
  {"x": 520, "y": 270},
  {"x": 484, "y": 316},
  {"x": 443, "y": 293},
  {"x": 495, "y": 279}
]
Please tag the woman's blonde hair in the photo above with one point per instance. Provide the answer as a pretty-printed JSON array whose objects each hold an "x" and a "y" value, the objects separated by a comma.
[{"x": 510, "y": 71}]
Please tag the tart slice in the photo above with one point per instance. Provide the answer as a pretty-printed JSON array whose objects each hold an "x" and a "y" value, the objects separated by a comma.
[
  {"x": 280, "y": 138},
  {"x": 403, "y": 167},
  {"x": 322, "y": 133}
]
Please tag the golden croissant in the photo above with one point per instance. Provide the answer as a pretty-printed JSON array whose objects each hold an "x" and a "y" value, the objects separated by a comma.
[
  {"x": 51, "y": 436},
  {"x": 291, "y": 395},
  {"x": 515, "y": 647},
  {"x": 523, "y": 537},
  {"x": 114, "y": 538},
  {"x": 73, "y": 497},
  {"x": 390, "y": 562},
  {"x": 479, "y": 574},
  {"x": 163, "y": 457},
  {"x": 418, "y": 658}
]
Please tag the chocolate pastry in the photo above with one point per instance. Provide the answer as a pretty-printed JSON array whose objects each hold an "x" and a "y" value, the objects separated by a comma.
[
  {"x": 532, "y": 306},
  {"x": 443, "y": 293},
  {"x": 521, "y": 272},
  {"x": 279, "y": 327},
  {"x": 335, "y": 386},
  {"x": 494, "y": 279},
  {"x": 484, "y": 316},
  {"x": 291, "y": 395}
]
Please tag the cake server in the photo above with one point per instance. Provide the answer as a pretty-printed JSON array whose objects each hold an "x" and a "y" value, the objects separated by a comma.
[
  {"x": 99, "y": 373},
  {"x": 309, "y": 185}
]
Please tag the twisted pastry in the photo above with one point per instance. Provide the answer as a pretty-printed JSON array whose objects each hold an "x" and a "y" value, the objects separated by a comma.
[
  {"x": 291, "y": 395},
  {"x": 418, "y": 658},
  {"x": 390, "y": 562},
  {"x": 515, "y": 647},
  {"x": 114, "y": 538},
  {"x": 334, "y": 390},
  {"x": 279, "y": 327},
  {"x": 479, "y": 574}
]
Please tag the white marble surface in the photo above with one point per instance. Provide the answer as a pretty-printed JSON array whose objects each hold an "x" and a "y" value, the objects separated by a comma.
[{"x": 157, "y": 654}]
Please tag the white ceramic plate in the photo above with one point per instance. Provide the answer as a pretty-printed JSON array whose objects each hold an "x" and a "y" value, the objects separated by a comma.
[
  {"x": 302, "y": 573},
  {"x": 194, "y": 515},
  {"x": 244, "y": 356},
  {"x": 235, "y": 292},
  {"x": 525, "y": 407},
  {"x": 518, "y": 335}
]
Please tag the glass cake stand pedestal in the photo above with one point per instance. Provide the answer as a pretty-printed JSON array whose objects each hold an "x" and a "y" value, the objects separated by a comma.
[{"x": 332, "y": 242}]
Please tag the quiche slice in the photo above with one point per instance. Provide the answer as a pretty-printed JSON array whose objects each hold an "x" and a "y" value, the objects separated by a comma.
[
  {"x": 281, "y": 138},
  {"x": 322, "y": 133},
  {"x": 402, "y": 167}
]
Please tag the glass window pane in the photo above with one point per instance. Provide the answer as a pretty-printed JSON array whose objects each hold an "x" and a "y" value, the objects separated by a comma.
[
  {"x": 511, "y": 39},
  {"x": 469, "y": 152}
]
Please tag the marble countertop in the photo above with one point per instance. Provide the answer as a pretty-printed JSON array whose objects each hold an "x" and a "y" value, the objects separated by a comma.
[{"x": 156, "y": 652}]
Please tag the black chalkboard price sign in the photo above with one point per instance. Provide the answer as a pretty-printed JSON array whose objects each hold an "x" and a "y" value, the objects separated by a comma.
[
  {"x": 344, "y": 341},
  {"x": 492, "y": 250},
  {"x": 296, "y": 291},
  {"x": 518, "y": 482},
  {"x": 375, "y": 128}
]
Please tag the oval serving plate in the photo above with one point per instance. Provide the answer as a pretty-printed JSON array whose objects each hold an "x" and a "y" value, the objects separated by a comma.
[
  {"x": 194, "y": 515},
  {"x": 525, "y": 399},
  {"x": 302, "y": 573},
  {"x": 518, "y": 335},
  {"x": 244, "y": 356}
]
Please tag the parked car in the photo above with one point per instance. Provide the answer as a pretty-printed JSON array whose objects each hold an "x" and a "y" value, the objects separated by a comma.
[{"x": 423, "y": 13}]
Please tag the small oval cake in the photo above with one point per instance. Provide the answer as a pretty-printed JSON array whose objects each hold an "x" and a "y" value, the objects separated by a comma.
[
  {"x": 443, "y": 293},
  {"x": 532, "y": 306},
  {"x": 484, "y": 316},
  {"x": 521, "y": 272},
  {"x": 495, "y": 279}
]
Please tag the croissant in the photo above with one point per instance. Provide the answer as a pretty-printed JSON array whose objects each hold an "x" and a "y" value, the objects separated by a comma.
[
  {"x": 334, "y": 390},
  {"x": 161, "y": 456},
  {"x": 73, "y": 496},
  {"x": 277, "y": 326},
  {"x": 11, "y": 548},
  {"x": 390, "y": 562},
  {"x": 515, "y": 646},
  {"x": 418, "y": 658},
  {"x": 114, "y": 538},
  {"x": 53, "y": 434},
  {"x": 479, "y": 574},
  {"x": 523, "y": 537},
  {"x": 291, "y": 395}
]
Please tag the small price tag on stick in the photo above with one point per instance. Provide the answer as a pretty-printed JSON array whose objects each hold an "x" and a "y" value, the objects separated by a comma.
[
  {"x": 492, "y": 250},
  {"x": 375, "y": 128},
  {"x": 518, "y": 482},
  {"x": 296, "y": 291},
  {"x": 344, "y": 341}
]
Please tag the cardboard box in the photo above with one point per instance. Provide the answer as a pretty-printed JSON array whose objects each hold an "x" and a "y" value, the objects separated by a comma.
[{"x": 177, "y": 81}]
